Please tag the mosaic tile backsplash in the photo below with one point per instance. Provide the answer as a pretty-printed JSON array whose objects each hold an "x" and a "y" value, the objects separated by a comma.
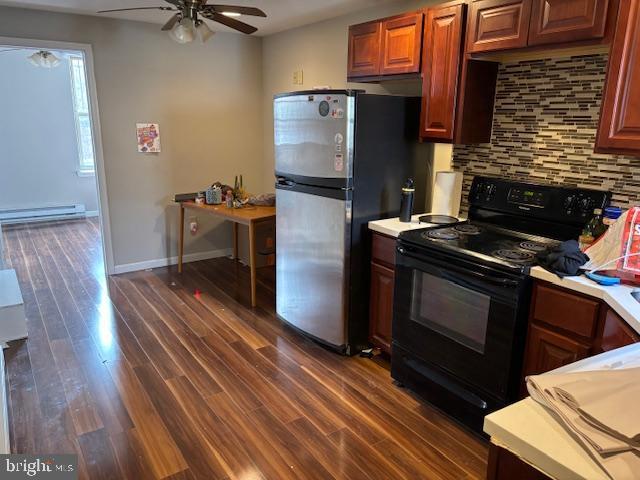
[{"x": 544, "y": 127}]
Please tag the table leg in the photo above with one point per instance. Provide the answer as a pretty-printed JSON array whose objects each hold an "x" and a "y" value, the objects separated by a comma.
[
  {"x": 252, "y": 262},
  {"x": 235, "y": 241},
  {"x": 181, "y": 239}
]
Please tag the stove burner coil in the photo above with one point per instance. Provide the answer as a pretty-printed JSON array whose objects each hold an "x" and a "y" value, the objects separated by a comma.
[
  {"x": 516, "y": 256},
  {"x": 467, "y": 229},
  {"x": 533, "y": 246},
  {"x": 441, "y": 234}
]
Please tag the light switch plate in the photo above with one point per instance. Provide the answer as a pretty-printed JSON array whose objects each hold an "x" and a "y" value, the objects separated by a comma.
[{"x": 298, "y": 77}]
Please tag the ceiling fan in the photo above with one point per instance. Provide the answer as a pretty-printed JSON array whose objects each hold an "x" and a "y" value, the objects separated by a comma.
[{"x": 187, "y": 22}]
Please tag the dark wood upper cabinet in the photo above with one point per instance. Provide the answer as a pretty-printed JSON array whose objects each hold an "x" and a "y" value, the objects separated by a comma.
[
  {"x": 443, "y": 33},
  {"x": 558, "y": 21},
  {"x": 390, "y": 46},
  {"x": 364, "y": 50},
  {"x": 619, "y": 130},
  {"x": 401, "y": 44},
  {"x": 498, "y": 25}
]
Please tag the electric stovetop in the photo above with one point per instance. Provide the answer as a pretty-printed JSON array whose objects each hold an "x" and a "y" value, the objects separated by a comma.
[{"x": 486, "y": 242}]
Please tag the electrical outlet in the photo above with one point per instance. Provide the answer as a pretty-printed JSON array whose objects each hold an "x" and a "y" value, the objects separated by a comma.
[{"x": 298, "y": 77}]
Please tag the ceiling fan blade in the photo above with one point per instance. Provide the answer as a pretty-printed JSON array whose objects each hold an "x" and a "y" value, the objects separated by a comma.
[
  {"x": 231, "y": 22},
  {"x": 169, "y": 9},
  {"x": 252, "y": 11},
  {"x": 171, "y": 23}
]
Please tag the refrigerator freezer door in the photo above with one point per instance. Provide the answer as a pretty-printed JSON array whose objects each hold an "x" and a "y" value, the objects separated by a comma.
[
  {"x": 312, "y": 234},
  {"x": 314, "y": 135}
]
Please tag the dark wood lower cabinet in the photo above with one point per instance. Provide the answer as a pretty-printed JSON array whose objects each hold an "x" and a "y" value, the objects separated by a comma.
[
  {"x": 383, "y": 258},
  {"x": 504, "y": 465},
  {"x": 565, "y": 327},
  {"x": 616, "y": 333},
  {"x": 381, "y": 306},
  {"x": 548, "y": 350}
]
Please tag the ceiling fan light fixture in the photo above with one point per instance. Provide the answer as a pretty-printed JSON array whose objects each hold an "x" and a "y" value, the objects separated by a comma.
[
  {"x": 184, "y": 31},
  {"x": 204, "y": 32},
  {"x": 232, "y": 14},
  {"x": 44, "y": 59}
]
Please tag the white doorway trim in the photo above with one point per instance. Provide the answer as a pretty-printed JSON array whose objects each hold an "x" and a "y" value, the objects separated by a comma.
[{"x": 101, "y": 183}]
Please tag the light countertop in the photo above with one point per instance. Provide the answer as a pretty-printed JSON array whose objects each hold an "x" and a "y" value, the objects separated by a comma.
[
  {"x": 531, "y": 432},
  {"x": 394, "y": 227}
]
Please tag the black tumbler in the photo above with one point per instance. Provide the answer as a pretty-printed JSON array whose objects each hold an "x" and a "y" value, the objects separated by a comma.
[{"x": 406, "y": 203}]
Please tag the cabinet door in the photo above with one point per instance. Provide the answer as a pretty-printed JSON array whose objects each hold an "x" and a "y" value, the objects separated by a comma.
[
  {"x": 547, "y": 350},
  {"x": 441, "y": 71},
  {"x": 401, "y": 44},
  {"x": 381, "y": 306},
  {"x": 364, "y": 50},
  {"x": 619, "y": 130},
  {"x": 616, "y": 333},
  {"x": 558, "y": 21},
  {"x": 498, "y": 25}
]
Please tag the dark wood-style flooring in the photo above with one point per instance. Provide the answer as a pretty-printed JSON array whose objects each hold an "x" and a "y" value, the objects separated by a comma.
[{"x": 159, "y": 375}]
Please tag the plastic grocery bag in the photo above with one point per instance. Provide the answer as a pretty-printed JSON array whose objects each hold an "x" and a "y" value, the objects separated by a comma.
[{"x": 617, "y": 252}]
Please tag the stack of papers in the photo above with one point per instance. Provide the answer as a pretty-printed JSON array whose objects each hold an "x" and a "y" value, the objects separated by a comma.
[{"x": 601, "y": 410}]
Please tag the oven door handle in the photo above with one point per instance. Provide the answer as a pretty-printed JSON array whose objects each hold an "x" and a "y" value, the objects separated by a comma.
[{"x": 502, "y": 282}]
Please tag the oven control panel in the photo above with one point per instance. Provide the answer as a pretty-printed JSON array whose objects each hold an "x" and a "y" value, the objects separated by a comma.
[
  {"x": 547, "y": 202},
  {"x": 527, "y": 196}
]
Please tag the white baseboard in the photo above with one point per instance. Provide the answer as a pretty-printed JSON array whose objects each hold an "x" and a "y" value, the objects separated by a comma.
[
  {"x": 163, "y": 262},
  {"x": 91, "y": 213}
]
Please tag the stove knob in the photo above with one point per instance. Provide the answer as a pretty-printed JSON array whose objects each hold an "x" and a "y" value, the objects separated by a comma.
[
  {"x": 586, "y": 205},
  {"x": 569, "y": 203}
]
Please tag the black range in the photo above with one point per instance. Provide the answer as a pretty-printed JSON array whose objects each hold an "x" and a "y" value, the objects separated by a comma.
[{"x": 462, "y": 293}]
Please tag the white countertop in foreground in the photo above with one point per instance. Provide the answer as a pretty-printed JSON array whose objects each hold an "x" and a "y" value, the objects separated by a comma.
[{"x": 530, "y": 431}]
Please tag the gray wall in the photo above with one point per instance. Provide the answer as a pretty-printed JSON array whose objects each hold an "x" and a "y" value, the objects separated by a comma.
[
  {"x": 38, "y": 147},
  {"x": 207, "y": 100}
]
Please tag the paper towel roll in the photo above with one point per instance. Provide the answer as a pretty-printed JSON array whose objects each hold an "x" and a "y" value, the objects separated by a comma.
[{"x": 447, "y": 193}]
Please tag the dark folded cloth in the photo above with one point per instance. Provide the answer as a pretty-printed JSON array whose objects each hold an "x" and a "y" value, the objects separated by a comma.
[{"x": 564, "y": 260}]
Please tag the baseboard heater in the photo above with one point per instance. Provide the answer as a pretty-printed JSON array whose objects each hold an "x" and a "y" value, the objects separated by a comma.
[{"x": 41, "y": 214}]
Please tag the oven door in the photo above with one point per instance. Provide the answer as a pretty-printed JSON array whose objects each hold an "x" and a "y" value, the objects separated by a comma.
[{"x": 458, "y": 316}]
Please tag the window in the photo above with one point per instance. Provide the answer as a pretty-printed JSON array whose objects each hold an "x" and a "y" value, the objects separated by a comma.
[{"x": 86, "y": 153}]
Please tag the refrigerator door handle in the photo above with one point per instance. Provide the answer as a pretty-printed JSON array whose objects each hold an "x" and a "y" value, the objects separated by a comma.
[{"x": 284, "y": 182}]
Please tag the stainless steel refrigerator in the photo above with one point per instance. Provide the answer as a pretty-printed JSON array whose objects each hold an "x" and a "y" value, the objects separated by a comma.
[{"x": 341, "y": 157}]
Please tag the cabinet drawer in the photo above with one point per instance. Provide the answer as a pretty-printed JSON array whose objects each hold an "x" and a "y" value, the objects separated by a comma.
[
  {"x": 561, "y": 309},
  {"x": 383, "y": 250}
]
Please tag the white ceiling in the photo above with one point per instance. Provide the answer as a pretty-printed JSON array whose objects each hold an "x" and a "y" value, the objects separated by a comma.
[{"x": 281, "y": 14}]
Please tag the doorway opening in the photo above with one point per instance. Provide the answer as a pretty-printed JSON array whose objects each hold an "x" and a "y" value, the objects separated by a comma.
[{"x": 51, "y": 169}]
